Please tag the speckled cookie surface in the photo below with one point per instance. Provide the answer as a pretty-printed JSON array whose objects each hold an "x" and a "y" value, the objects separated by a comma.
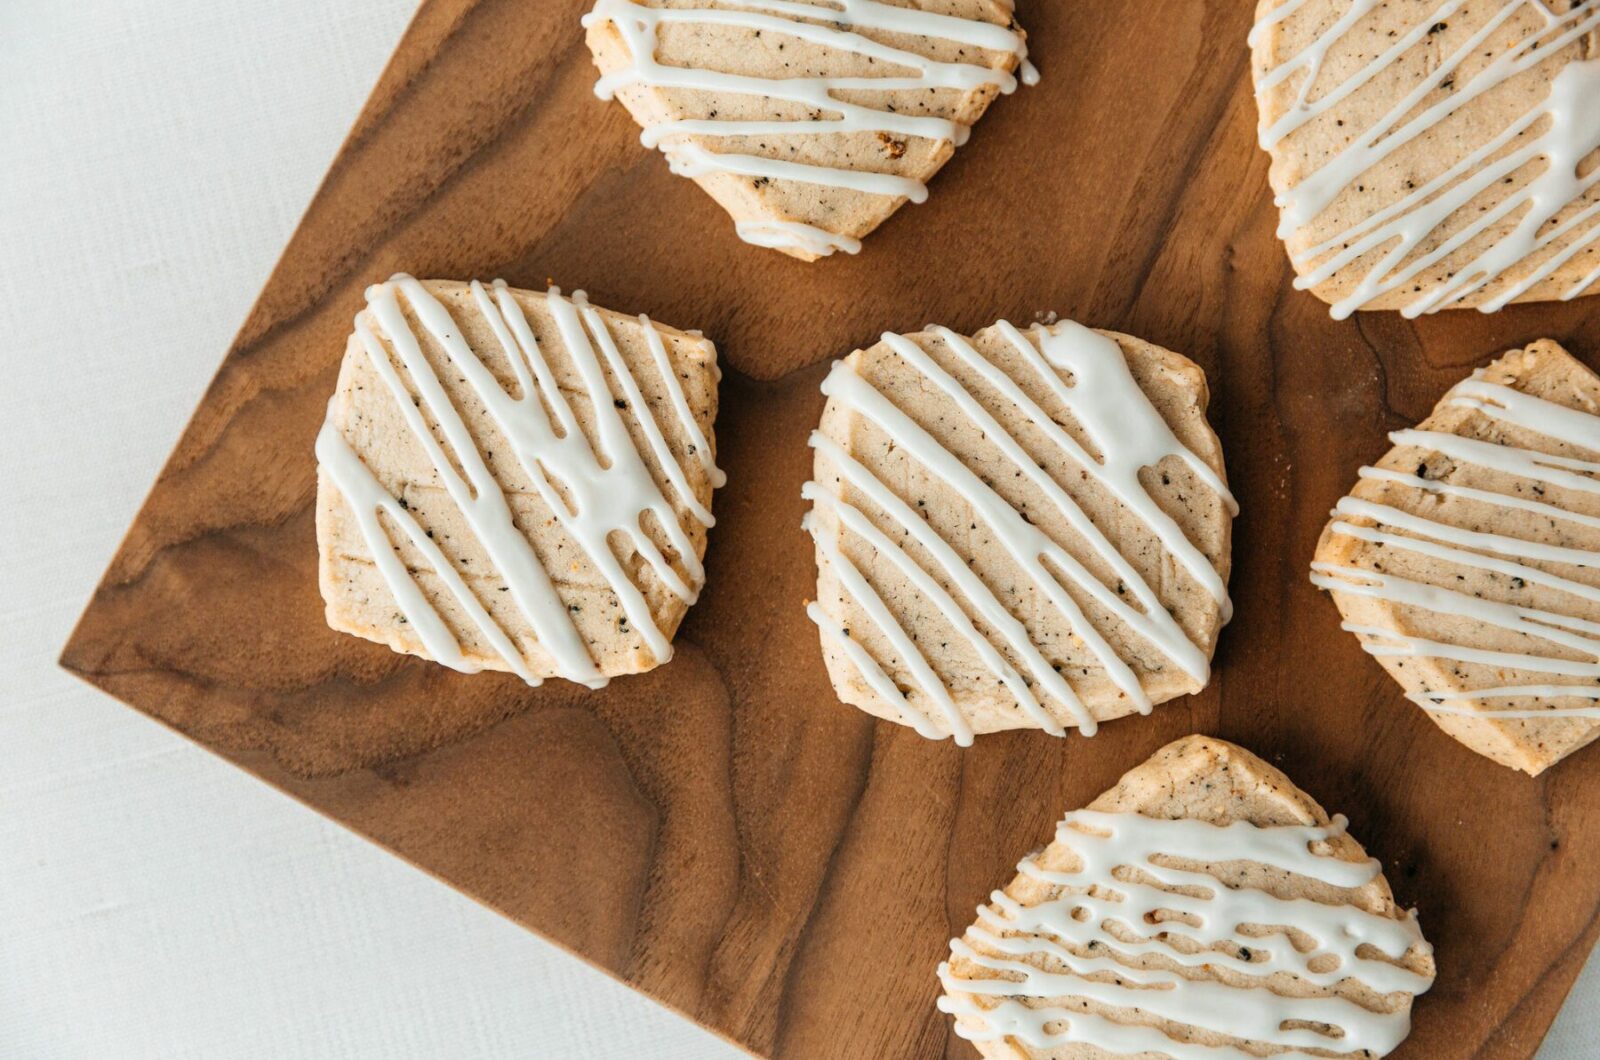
[
  {"x": 729, "y": 89},
  {"x": 1465, "y": 559},
  {"x": 935, "y": 607},
  {"x": 424, "y": 523},
  {"x": 1433, "y": 155},
  {"x": 1196, "y": 779}
]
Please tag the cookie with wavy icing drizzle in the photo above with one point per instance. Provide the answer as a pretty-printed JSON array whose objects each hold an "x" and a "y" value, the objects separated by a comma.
[
  {"x": 1205, "y": 907},
  {"x": 516, "y": 480},
  {"x": 1017, "y": 529},
  {"x": 1436, "y": 154},
  {"x": 809, "y": 121},
  {"x": 1468, "y": 559}
]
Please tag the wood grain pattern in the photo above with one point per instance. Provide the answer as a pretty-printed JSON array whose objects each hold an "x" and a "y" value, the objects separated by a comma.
[{"x": 721, "y": 833}]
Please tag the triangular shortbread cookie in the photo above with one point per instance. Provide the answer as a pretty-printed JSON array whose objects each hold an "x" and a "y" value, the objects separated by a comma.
[
  {"x": 1205, "y": 906},
  {"x": 808, "y": 121}
]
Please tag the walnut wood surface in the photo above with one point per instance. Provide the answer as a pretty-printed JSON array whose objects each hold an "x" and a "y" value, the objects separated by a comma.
[{"x": 721, "y": 833}]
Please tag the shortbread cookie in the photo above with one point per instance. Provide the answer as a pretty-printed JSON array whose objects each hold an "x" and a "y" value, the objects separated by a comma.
[
  {"x": 1017, "y": 530},
  {"x": 1468, "y": 560},
  {"x": 512, "y": 480},
  {"x": 810, "y": 121},
  {"x": 1204, "y": 907},
  {"x": 1434, "y": 154}
]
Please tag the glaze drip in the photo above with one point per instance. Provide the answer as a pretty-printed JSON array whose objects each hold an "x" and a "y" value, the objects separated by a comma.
[
  {"x": 812, "y": 239},
  {"x": 597, "y": 492}
]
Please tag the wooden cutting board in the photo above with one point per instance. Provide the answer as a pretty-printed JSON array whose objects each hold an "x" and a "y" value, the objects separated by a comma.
[{"x": 721, "y": 833}]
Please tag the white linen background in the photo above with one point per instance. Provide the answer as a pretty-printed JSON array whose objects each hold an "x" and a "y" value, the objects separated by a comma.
[{"x": 155, "y": 902}]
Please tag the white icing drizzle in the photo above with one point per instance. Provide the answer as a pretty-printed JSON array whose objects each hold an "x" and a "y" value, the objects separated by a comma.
[
  {"x": 1119, "y": 419},
  {"x": 692, "y": 160},
  {"x": 1571, "y": 132},
  {"x": 1062, "y": 947},
  {"x": 1569, "y": 425},
  {"x": 699, "y": 445},
  {"x": 864, "y": 594},
  {"x": 880, "y": 682},
  {"x": 1445, "y": 489},
  {"x": 607, "y": 490},
  {"x": 1441, "y": 702},
  {"x": 810, "y": 238},
  {"x": 1128, "y": 433},
  {"x": 1588, "y": 281},
  {"x": 367, "y": 497},
  {"x": 951, "y": 567},
  {"x": 1485, "y": 551},
  {"x": 1564, "y": 472},
  {"x": 1558, "y": 629},
  {"x": 1423, "y": 527},
  {"x": 839, "y": 25}
]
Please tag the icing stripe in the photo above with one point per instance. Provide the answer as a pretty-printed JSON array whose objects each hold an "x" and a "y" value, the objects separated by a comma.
[
  {"x": 692, "y": 160},
  {"x": 699, "y": 444},
  {"x": 606, "y": 492},
  {"x": 952, "y": 567},
  {"x": 1019, "y": 961},
  {"x": 1407, "y": 231},
  {"x": 1155, "y": 624},
  {"x": 1129, "y": 434},
  {"x": 840, "y": 27},
  {"x": 1501, "y": 500},
  {"x": 868, "y": 666},
  {"x": 1450, "y": 703},
  {"x": 911, "y": 657},
  {"x": 1386, "y": 643},
  {"x": 1026, "y": 544},
  {"x": 1540, "y": 467},
  {"x": 1564, "y": 424},
  {"x": 858, "y": 524},
  {"x": 810, "y": 238}
]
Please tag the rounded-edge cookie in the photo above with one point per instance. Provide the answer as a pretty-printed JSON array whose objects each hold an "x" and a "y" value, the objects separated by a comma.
[
  {"x": 769, "y": 112},
  {"x": 1021, "y": 529},
  {"x": 1465, "y": 559},
  {"x": 1432, "y": 156},
  {"x": 515, "y": 480},
  {"x": 1137, "y": 930}
]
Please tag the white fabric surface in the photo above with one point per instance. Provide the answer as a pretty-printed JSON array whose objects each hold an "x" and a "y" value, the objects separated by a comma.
[{"x": 154, "y": 902}]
